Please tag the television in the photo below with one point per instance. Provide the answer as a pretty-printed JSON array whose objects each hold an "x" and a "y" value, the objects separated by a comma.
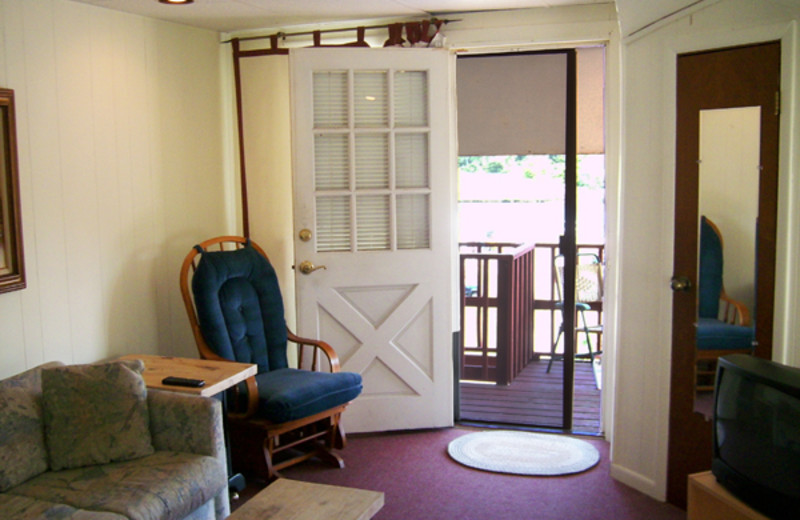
[{"x": 756, "y": 438}]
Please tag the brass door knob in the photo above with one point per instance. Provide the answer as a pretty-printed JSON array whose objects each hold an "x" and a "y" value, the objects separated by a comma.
[
  {"x": 307, "y": 267},
  {"x": 680, "y": 283}
]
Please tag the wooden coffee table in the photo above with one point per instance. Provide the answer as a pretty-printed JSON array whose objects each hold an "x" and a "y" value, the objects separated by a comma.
[{"x": 287, "y": 499}]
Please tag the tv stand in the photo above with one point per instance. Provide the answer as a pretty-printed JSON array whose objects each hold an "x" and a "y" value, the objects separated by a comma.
[{"x": 708, "y": 500}]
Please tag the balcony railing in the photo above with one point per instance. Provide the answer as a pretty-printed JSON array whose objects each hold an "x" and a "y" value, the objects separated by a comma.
[{"x": 505, "y": 290}]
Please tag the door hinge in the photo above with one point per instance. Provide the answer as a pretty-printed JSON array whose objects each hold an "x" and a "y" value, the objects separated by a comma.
[{"x": 777, "y": 102}]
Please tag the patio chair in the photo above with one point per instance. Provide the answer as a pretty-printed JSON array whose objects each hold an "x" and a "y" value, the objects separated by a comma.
[{"x": 588, "y": 290}]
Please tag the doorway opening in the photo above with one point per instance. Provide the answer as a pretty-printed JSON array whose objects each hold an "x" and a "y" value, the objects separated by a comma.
[{"x": 513, "y": 204}]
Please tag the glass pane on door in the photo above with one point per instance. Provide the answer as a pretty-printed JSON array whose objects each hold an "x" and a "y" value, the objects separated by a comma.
[{"x": 371, "y": 173}]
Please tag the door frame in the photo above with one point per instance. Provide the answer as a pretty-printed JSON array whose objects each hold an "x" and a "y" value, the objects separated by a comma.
[
  {"x": 567, "y": 241},
  {"x": 689, "y": 433}
]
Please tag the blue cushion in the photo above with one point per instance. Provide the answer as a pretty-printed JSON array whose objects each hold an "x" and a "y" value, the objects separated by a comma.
[
  {"x": 240, "y": 313},
  {"x": 710, "y": 271},
  {"x": 239, "y": 307},
  {"x": 714, "y": 334},
  {"x": 289, "y": 393}
]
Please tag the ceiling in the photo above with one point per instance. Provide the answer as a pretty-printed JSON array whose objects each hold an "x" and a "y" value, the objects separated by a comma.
[
  {"x": 238, "y": 15},
  {"x": 242, "y": 15}
]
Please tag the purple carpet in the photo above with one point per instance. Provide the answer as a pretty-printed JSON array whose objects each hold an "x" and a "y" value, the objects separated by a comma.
[{"x": 420, "y": 481}]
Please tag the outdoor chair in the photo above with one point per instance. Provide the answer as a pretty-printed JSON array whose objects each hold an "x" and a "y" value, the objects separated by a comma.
[{"x": 588, "y": 290}]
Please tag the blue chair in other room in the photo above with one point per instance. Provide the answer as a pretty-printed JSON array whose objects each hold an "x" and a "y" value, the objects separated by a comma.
[
  {"x": 723, "y": 324},
  {"x": 281, "y": 416}
]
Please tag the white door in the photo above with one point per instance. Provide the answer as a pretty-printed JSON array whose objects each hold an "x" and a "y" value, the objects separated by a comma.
[{"x": 374, "y": 181}]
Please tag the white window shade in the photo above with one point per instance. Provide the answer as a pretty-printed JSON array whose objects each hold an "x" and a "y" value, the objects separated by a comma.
[
  {"x": 410, "y": 87},
  {"x": 411, "y": 160},
  {"x": 370, "y": 99},
  {"x": 373, "y": 221},
  {"x": 413, "y": 231},
  {"x": 515, "y": 104},
  {"x": 371, "y": 172},
  {"x": 333, "y": 224},
  {"x": 331, "y": 162},
  {"x": 372, "y": 161},
  {"x": 330, "y": 99}
]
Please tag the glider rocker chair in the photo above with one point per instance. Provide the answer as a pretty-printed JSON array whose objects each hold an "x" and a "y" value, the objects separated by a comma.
[
  {"x": 282, "y": 415},
  {"x": 723, "y": 324}
]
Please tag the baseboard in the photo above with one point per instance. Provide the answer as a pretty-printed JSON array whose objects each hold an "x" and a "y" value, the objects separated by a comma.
[{"x": 638, "y": 482}]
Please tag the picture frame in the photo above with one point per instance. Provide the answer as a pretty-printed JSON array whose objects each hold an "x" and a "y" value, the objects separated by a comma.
[{"x": 12, "y": 263}]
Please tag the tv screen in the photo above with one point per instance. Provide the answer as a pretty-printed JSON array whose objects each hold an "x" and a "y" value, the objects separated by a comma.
[{"x": 757, "y": 433}]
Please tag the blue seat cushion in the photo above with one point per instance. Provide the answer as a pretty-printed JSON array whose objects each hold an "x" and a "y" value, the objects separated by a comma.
[
  {"x": 287, "y": 394},
  {"x": 714, "y": 334},
  {"x": 239, "y": 307}
]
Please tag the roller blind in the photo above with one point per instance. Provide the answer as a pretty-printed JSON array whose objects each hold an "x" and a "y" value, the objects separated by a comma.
[{"x": 515, "y": 104}]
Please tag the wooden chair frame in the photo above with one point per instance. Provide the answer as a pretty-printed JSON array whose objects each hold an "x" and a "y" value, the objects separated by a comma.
[
  {"x": 732, "y": 312},
  {"x": 316, "y": 435}
]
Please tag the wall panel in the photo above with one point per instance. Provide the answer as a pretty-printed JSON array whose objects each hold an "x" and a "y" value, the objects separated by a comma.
[{"x": 122, "y": 171}]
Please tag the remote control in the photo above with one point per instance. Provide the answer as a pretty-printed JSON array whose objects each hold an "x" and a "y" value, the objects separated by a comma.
[{"x": 183, "y": 381}]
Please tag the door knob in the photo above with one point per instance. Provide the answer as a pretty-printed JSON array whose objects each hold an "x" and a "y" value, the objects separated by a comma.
[
  {"x": 307, "y": 267},
  {"x": 680, "y": 283}
]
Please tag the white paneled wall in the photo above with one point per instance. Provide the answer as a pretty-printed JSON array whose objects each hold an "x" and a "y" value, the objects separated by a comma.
[
  {"x": 641, "y": 420},
  {"x": 267, "y": 132},
  {"x": 121, "y": 171}
]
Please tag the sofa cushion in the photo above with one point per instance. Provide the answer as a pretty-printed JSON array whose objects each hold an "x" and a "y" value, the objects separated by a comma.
[
  {"x": 23, "y": 453},
  {"x": 23, "y": 508},
  {"x": 95, "y": 414},
  {"x": 164, "y": 485}
]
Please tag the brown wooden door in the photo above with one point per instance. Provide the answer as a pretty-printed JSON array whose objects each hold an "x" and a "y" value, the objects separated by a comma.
[{"x": 735, "y": 77}]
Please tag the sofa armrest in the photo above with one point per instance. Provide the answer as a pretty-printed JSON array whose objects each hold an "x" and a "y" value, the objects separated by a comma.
[
  {"x": 186, "y": 423},
  {"x": 190, "y": 424}
]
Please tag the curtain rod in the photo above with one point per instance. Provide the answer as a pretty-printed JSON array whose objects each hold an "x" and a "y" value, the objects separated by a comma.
[{"x": 324, "y": 31}]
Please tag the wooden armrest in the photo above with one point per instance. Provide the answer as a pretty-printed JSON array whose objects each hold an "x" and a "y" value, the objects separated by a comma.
[
  {"x": 333, "y": 358},
  {"x": 734, "y": 311},
  {"x": 252, "y": 396}
]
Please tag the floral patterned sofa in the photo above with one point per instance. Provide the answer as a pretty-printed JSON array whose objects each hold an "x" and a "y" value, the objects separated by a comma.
[{"x": 89, "y": 442}]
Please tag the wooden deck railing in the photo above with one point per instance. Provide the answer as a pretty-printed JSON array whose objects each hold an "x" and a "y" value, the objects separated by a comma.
[
  {"x": 504, "y": 286},
  {"x": 497, "y": 310}
]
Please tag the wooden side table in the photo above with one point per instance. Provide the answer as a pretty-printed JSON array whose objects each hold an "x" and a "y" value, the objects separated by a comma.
[
  {"x": 218, "y": 377},
  {"x": 287, "y": 499}
]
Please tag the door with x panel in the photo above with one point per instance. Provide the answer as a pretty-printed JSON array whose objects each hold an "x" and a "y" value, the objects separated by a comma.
[{"x": 375, "y": 199}]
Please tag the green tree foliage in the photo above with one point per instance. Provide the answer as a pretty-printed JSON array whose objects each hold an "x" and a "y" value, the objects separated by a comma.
[{"x": 533, "y": 167}]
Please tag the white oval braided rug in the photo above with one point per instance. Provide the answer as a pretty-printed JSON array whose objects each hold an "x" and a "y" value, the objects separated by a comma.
[{"x": 523, "y": 453}]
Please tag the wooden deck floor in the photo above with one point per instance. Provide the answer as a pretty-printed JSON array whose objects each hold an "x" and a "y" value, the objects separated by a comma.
[{"x": 534, "y": 398}]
